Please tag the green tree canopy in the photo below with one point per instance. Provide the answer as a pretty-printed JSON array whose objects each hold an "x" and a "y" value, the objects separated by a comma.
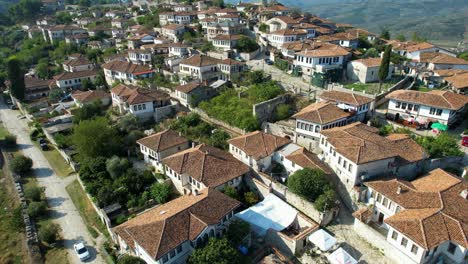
[
  {"x": 94, "y": 138},
  {"x": 385, "y": 34},
  {"x": 21, "y": 164},
  {"x": 127, "y": 259},
  {"x": 237, "y": 231},
  {"x": 217, "y": 251},
  {"x": 444, "y": 145},
  {"x": 87, "y": 111},
  {"x": 25, "y": 10},
  {"x": 16, "y": 77},
  {"x": 161, "y": 192},
  {"x": 49, "y": 233},
  {"x": 116, "y": 166},
  {"x": 384, "y": 65},
  {"x": 325, "y": 201},
  {"x": 245, "y": 44},
  {"x": 308, "y": 183}
]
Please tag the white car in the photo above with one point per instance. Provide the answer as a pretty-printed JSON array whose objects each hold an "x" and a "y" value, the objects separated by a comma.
[{"x": 81, "y": 251}]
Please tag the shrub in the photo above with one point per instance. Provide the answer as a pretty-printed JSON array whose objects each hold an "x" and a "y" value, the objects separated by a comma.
[
  {"x": 10, "y": 140},
  {"x": 237, "y": 231},
  {"x": 17, "y": 222},
  {"x": 21, "y": 164},
  {"x": 443, "y": 145},
  {"x": 48, "y": 233},
  {"x": 62, "y": 141},
  {"x": 127, "y": 259},
  {"x": 231, "y": 192},
  {"x": 37, "y": 209},
  {"x": 250, "y": 198},
  {"x": 325, "y": 201},
  {"x": 308, "y": 183},
  {"x": 33, "y": 194},
  {"x": 282, "y": 111},
  {"x": 161, "y": 192}
]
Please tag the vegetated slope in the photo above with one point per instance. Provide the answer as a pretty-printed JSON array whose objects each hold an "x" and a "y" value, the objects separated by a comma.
[{"x": 5, "y": 4}]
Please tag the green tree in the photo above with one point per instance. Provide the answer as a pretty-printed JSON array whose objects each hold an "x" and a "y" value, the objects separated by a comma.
[
  {"x": 116, "y": 166},
  {"x": 282, "y": 111},
  {"x": 401, "y": 37},
  {"x": 218, "y": 3},
  {"x": 245, "y": 44},
  {"x": 463, "y": 55},
  {"x": 56, "y": 94},
  {"x": 250, "y": 198},
  {"x": 63, "y": 18},
  {"x": 219, "y": 139},
  {"x": 25, "y": 10},
  {"x": 371, "y": 53},
  {"x": 94, "y": 138},
  {"x": 416, "y": 37},
  {"x": 21, "y": 164},
  {"x": 308, "y": 183},
  {"x": 127, "y": 123},
  {"x": 16, "y": 77},
  {"x": 217, "y": 251},
  {"x": 237, "y": 231},
  {"x": 33, "y": 194},
  {"x": 37, "y": 209},
  {"x": 87, "y": 111},
  {"x": 161, "y": 192},
  {"x": 48, "y": 233},
  {"x": 384, "y": 66},
  {"x": 385, "y": 34},
  {"x": 263, "y": 27},
  {"x": 9, "y": 141},
  {"x": 231, "y": 192},
  {"x": 42, "y": 70},
  {"x": 326, "y": 201},
  {"x": 444, "y": 145},
  {"x": 127, "y": 259}
]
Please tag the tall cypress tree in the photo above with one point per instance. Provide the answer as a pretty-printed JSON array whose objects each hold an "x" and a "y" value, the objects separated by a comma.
[
  {"x": 16, "y": 77},
  {"x": 384, "y": 66}
]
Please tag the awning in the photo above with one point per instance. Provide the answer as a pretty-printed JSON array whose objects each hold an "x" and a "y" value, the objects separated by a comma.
[
  {"x": 439, "y": 126},
  {"x": 340, "y": 256},
  {"x": 322, "y": 239},
  {"x": 272, "y": 213}
]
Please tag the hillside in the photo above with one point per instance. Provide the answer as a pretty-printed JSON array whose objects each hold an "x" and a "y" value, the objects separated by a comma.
[
  {"x": 433, "y": 19},
  {"x": 4, "y": 4}
]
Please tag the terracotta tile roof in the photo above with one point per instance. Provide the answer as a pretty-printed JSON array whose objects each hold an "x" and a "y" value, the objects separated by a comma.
[
  {"x": 324, "y": 50},
  {"x": 288, "y": 19},
  {"x": 440, "y": 99},
  {"x": 441, "y": 58},
  {"x": 258, "y": 144},
  {"x": 410, "y": 46},
  {"x": 434, "y": 210},
  {"x": 406, "y": 148},
  {"x": 321, "y": 113},
  {"x": 127, "y": 67},
  {"x": 458, "y": 80},
  {"x": 362, "y": 144},
  {"x": 73, "y": 75},
  {"x": 161, "y": 229},
  {"x": 89, "y": 96},
  {"x": 229, "y": 61},
  {"x": 344, "y": 97},
  {"x": 187, "y": 88},
  {"x": 449, "y": 72},
  {"x": 32, "y": 83},
  {"x": 77, "y": 62},
  {"x": 289, "y": 32},
  {"x": 359, "y": 32},
  {"x": 298, "y": 45},
  {"x": 137, "y": 95},
  {"x": 200, "y": 61},
  {"x": 173, "y": 26},
  {"x": 370, "y": 62},
  {"x": 163, "y": 140},
  {"x": 211, "y": 166},
  {"x": 306, "y": 159}
]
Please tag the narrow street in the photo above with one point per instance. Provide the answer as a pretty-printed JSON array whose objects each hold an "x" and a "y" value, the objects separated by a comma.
[{"x": 62, "y": 208}]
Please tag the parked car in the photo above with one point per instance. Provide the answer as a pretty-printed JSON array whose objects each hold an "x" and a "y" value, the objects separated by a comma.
[
  {"x": 43, "y": 144},
  {"x": 81, "y": 251},
  {"x": 465, "y": 140},
  {"x": 268, "y": 61},
  {"x": 13, "y": 107}
]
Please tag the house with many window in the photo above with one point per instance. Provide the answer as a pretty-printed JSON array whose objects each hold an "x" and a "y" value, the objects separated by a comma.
[
  {"x": 425, "y": 107},
  {"x": 356, "y": 153},
  {"x": 192, "y": 93},
  {"x": 168, "y": 234},
  {"x": 256, "y": 149},
  {"x": 359, "y": 105},
  {"x": 80, "y": 63},
  {"x": 125, "y": 72},
  {"x": 91, "y": 96},
  {"x": 202, "y": 167},
  {"x": 200, "y": 67},
  {"x": 139, "y": 56},
  {"x": 425, "y": 218},
  {"x": 161, "y": 145},
  {"x": 321, "y": 57},
  {"x": 142, "y": 102},
  {"x": 280, "y": 37},
  {"x": 73, "y": 80},
  {"x": 225, "y": 42}
]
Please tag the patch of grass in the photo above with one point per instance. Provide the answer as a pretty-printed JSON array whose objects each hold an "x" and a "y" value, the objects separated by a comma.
[
  {"x": 58, "y": 163},
  {"x": 56, "y": 255},
  {"x": 12, "y": 248},
  {"x": 86, "y": 209},
  {"x": 3, "y": 132},
  {"x": 370, "y": 88}
]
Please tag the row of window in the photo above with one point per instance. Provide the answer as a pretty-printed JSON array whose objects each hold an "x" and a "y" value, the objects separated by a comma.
[
  {"x": 345, "y": 165},
  {"x": 283, "y": 39},
  {"x": 172, "y": 254},
  {"x": 76, "y": 81},
  {"x": 385, "y": 202},
  {"x": 404, "y": 243},
  {"x": 406, "y": 106},
  {"x": 148, "y": 150},
  {"x": 238, "y": 151},
  {"x": 139, "y": 107},
  {"x": 307, "y": 127}
]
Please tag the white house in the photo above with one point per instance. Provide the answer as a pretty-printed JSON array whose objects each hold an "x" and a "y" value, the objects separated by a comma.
[
  {"x": 125, "y": 72},
  {"x": 202, "y": 167},
  {"x": 85, "y": 97},
  {"x": 256, "y": 149},
  {"x": 141, "y": 102},
  {"x": 192, "y": 93},
  {"x": 139, "y": 56},
  {"x": 320, "y": 58},
  {"x": 77, "y": 64},
  {"x": 173, "y": 31},
  {"x": 167, "y": 234},
  {"x": 423, "y": 107},
  {"x": 280, "y": 37},
  {"x": 161, "y": 145},
  {"x": 358, "y": 105},
  {"x": 223, "y": 28},
  {"x": 200, "y": 67},
  {"x": 424, "y": 218},
  {"x": 73, "y": 80},
  {"x": 57, "y": 33},
  {"x": 356, "y": 152},
  {"x": 178, "y": 49},
  {"x": 442, "y": 61},
  {"x": 366, "y": 70},
  {"x": 225, "y": 42},
  {"x": 412, "y": 50}
]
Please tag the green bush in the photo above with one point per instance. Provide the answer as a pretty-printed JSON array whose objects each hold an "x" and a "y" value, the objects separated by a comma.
[
  {"x": 282, "y": 111},
  {"x": 250, "y": 198},
  {"x": 325, "y": 201},
  {"x": 127, "y": 259},
  {"x": 21, "y": 164},
  {"x": 37, "y": 209},
  {"x": 161, "y": 192},
  {"x": 10, "y": 141},
  {"x": 231, "y": 192},
  {"x": 33, "y": 194},
  {"x": 62, "y": 141},
  {"x": 308, "y": 183},
  {"x": 443, "y": 145},
  {"x": 49, "y": 233}
]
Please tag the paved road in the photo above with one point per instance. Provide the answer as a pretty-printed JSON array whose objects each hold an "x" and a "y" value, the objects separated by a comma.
[{"x": 64, "y": 211}]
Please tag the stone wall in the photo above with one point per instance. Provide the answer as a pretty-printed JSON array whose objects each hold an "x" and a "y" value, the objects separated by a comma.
[
  {"x": 281, "y": 128},
  {"x": 163, "y": 112},
  {"x": 249, "y": 56},
  {"x": 378, "y": 240},
  {"x": 264, "y": 110},
  {"x": 205, "y": 117}
]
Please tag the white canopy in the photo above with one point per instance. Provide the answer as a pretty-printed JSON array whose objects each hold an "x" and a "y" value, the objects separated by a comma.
[
  {"x": 322, "y": 239},
  {"x": 340, "y": 256},
  {"x": 272, "y": 213}
]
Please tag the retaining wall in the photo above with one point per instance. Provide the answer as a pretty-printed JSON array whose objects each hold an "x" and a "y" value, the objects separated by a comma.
[
  {"x": 220, "y": 123},
  {"x": 264, "y": 110}
]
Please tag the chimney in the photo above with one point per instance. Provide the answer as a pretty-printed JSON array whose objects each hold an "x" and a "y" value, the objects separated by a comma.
[
  {"x": 398, "y": 191},
  {"x": 464, "y": 194},
  {"x": 193, "y": 144}
]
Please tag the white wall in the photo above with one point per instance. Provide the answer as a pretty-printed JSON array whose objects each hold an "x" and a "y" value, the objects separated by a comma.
[{"x": 422, "y": 114}]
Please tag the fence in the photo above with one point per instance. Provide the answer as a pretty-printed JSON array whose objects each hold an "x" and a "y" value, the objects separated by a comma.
[{"x": 264, "y": 184}]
